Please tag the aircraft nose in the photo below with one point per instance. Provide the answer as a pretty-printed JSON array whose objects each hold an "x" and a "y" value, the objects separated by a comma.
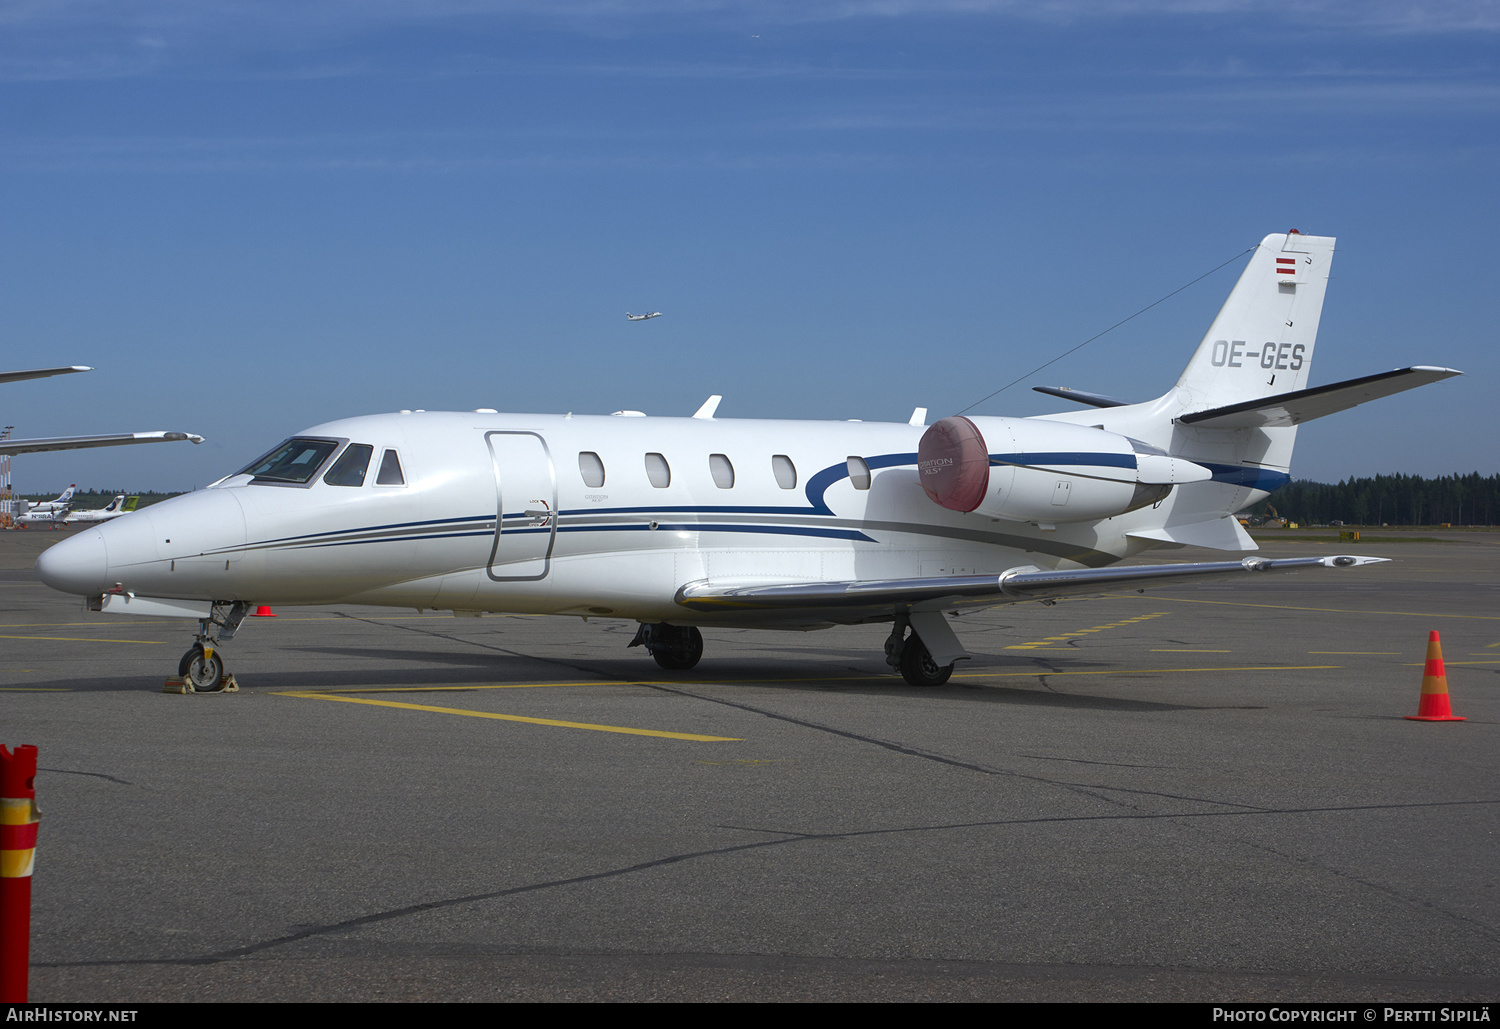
[{"x": 79, "y": 564}]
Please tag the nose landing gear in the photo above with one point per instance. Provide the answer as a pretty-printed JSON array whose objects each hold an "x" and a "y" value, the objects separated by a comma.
[{"x": 202, "y": 667}]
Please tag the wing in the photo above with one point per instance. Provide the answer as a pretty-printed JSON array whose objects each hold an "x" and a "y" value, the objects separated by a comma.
[
  {"x": 34, "y": 446},
  {"x": 870, "y": 599},
  {"x": 42, "y": 373}
]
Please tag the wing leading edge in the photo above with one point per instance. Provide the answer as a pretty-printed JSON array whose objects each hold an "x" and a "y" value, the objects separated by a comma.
[
  {"x": 873, "y": 596},
  {"x": 36, "y": 446}
]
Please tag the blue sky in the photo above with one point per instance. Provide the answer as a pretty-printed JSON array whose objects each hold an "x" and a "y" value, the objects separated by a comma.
[{"x": 255, "y": 217}]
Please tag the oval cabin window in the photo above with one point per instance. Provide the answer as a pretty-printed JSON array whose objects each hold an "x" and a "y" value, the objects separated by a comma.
[
  {"x": 658, "y": 471},
  {"x": 591, "y": 468}
]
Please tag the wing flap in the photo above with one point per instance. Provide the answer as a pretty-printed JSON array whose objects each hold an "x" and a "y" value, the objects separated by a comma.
[{"x": 945, "y": 592}]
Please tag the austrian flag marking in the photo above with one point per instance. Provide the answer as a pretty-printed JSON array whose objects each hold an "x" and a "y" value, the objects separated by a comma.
[{"x": 1286, "y": 266}]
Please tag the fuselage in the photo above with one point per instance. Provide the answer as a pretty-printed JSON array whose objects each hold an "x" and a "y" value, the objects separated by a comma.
[{"x": 590, "y": 515}]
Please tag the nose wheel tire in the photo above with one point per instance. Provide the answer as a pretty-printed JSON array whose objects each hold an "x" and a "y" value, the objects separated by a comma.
[
  {"x": 918, "y": 668},
  {"x": 205, "y": 671}
]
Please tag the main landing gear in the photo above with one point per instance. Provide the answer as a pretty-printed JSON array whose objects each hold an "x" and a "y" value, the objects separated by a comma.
[
  {"x": 910, "y": 656},
  {"x": 675, "y": 647},
  {"x": 202, "y": 667},
  {"x": 679, "y": 647}
]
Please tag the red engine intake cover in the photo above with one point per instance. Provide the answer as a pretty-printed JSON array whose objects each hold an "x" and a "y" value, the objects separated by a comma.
[{"x": 953, "y": 464}]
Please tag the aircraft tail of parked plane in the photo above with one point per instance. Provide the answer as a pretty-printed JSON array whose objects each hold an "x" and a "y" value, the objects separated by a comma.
[
  {"x": 63, "y": 501},
  {"x": 1235, "y": 409},
  {"x": 678, "y": 523}
]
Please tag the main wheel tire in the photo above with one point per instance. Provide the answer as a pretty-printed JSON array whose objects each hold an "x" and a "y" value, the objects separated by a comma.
[
  {"x": 205, "y": 672},
  {"x": 918, "y": 668},
  {"x": 682, "y": 653}
]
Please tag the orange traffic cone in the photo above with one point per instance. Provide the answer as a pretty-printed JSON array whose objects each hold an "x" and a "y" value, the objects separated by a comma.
[
  {"x": 1433, "y": 706},
  {"x": 263, "y": 612}
]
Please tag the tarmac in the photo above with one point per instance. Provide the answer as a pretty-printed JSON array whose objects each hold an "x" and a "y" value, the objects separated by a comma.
[{"x": 1202, "y": 793}]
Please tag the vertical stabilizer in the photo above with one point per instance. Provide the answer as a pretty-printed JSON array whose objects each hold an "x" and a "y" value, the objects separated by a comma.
[{"x": 1261, "y": 343}]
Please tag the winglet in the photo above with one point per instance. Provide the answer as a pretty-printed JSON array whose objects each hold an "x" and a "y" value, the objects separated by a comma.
[{"x": 709, "y": 407}]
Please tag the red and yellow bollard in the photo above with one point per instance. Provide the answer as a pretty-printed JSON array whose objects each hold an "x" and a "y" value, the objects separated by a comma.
[{"x": 18, "y": 823}]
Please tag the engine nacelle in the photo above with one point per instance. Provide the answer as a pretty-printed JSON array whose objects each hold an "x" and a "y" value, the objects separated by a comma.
[{"x": 1025, "y": 470}]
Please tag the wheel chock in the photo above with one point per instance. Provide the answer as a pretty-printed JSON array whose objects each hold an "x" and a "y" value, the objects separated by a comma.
[
  {"x": 179, "y": 684},
  {"x": 1433, "y": 707}
]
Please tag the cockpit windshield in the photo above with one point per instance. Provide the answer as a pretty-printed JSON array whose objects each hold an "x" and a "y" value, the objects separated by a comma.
[{"x": 295, "y": 461}]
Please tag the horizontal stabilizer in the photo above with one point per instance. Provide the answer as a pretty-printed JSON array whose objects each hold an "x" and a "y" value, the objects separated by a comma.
[
  {"x": 1224, "y": 533},
  {"x": 1081, "y": 396},
  {"x": 1304, "y": 405},
  {"x": 35, "y": 446},
  {"x": 940, "y": 592}
]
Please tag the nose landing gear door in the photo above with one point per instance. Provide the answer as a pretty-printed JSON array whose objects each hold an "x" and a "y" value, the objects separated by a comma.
[{"x": 526, "y": 503}]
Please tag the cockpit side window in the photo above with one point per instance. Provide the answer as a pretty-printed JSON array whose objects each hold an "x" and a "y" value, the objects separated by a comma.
[
  {"x": 349, "y": 469},
  {"x": 295, "y": 461},
  {"x": 390, "y": 471}
]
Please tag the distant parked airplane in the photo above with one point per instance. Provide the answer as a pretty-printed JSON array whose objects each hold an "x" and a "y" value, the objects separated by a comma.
[{"x": 121, "y": 505}]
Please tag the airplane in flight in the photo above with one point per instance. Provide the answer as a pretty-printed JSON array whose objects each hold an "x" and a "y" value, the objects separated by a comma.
[
  {"x": 683, "y": 523},
  {"x": 641, "y": 317},
  {"x": 34, "y": 446},
  {"x": 121, "y": 505}
]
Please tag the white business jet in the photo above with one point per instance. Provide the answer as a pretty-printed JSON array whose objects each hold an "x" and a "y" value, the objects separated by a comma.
[
  {"x": 114, "y": 439},
  {"x": 641, "y": 317},
  {"x": 678, "y": 523}
]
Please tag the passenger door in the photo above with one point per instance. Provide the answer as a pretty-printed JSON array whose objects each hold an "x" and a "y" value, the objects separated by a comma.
[{"x": 526, "y": 505}]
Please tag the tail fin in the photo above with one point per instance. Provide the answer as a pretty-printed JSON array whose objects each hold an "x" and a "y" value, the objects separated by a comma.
[{"x": 1261, "y": 343}]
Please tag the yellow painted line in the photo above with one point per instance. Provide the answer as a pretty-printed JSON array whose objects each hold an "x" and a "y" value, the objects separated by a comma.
[
  {"x": 122, "y": 620},
  {"x": 34, "y": 689},
  {"x": 1423, "y": 664},
  {"x": 1185, "y": 650},
  {"x": 1293, "y": 607},
  {"x": 1041, "y": 644},
  {"x": 97, "y": 623},
  {"x": 76, "y": 639},
  {"x": 1365, "y": 653},
  {"x": 514, "y": 718},
  {"x": 1147, "y": 671},
  {"x": 460, "y": 689}
]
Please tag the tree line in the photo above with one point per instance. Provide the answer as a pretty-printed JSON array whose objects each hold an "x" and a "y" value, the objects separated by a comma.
[{"x": 1389, "y": 500}]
